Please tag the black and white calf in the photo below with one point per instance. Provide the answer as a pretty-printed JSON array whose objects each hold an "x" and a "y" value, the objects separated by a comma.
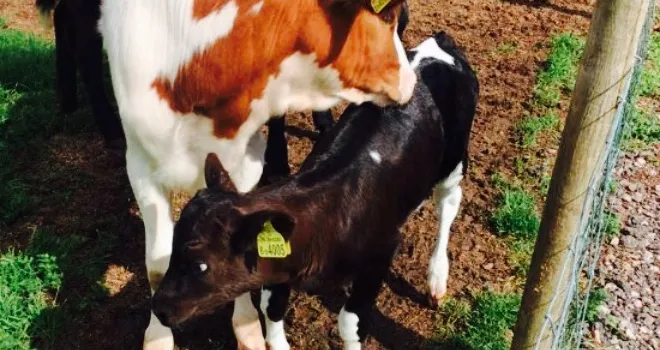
[{"x": 340, "y": 214}]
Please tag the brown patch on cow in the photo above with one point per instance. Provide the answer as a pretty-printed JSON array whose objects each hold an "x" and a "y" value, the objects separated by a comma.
[
  {"x": 203, "y": 8},
  {"x": 222, "y": 81},
  {"x": 154, "y": 279}
]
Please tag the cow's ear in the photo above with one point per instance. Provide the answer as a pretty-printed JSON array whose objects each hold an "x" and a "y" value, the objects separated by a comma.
[
  {"x": 244, "y": 240},
  {"x": 215, "y": 174}
]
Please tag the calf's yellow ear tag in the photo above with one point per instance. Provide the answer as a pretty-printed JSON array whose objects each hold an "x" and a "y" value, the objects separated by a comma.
[
  {"x": 379, "y": 5},
  {"x": 271, "y": 244}
]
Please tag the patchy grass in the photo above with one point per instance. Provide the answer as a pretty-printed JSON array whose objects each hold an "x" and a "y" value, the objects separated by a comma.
[
  {"x": 506, "y": 48},
  {"x": 532, "y": 125},
  {"x": 642, "y": 128},
  {"x": 46, "y": 286},
  {"x": 33, "y": 309},
  {"x": 612, "y": 225},
  {"x": 649, "y": 83},
  {"x": 485, "y": 325},
  {"x": 25, "y": 280},
  {"x": 516, "y": 214},
  {"x": 560, "y": 71}
]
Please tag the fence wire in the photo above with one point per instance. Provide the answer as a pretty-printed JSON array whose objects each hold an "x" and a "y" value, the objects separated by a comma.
[{"x": 567, "y": 331}]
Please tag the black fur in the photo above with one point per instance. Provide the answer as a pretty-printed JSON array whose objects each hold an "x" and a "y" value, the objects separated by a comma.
[{"x": 345, "y": 208}]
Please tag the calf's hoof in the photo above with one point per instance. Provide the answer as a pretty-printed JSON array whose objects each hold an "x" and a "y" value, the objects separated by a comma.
[
  {"x": 438, "y": 275},
  {"x": 157, "y": 336}
]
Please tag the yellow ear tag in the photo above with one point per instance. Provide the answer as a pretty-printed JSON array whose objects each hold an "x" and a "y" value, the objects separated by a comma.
[
  {"x": 379, "y": 5},
  {"x": 271, "y": 244}
]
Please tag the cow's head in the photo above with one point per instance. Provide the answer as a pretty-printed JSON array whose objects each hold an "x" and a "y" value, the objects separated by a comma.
[
  {"x": 362, "y": 42},
  {"x": 214, "y": 253}
]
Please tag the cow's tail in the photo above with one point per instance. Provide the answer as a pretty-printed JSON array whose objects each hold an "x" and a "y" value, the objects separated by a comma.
[{"x": 45, "y": 8}]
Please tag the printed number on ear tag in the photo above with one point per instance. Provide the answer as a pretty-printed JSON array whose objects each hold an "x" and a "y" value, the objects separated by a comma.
[
  {"x": 379, "y": 5},
  {"x": 271, "y": 244}
]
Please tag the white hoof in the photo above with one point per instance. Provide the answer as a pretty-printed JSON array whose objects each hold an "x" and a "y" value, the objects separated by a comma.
[
  {"x": 157, "y": 336},
  {"x": 278, "y": 344},
  {"x": 352, "y": 345},
  {"x": 438, "y": 275}
]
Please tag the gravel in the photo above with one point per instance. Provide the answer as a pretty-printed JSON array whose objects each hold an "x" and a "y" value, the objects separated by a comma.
[{"x": 630, "y": 263}]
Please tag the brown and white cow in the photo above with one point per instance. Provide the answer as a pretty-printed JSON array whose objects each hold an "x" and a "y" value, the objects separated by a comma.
[{"x": 193, "y": 77}]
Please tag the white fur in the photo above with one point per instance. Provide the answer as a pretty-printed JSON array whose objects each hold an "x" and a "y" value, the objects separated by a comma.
[
  {"x": 429, "y": 48},
  {"x": 166, "y": 150},
  {"x": 348, "y": 329},
  {"x": 447, "y": 195},
  {"x": 257, "y": 7},
  {"x": 246, "y": 325},
  {"x": 407, "y": 76},
  {"x": 375, "y": 156},
  {"x": 275, "y": 335}
]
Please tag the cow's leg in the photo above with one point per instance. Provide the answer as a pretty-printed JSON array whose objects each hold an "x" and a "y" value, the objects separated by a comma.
[
  {"x": 246, "y": 324},
  {"x": 89, "y": 56},
  {"x": 276, "y": 155},
  {"x": 274, "y": 302},
  {"x": 447, "y": 195},
  {"x": 355, "y": 317},
  {"x": 154, "y": 205},
  {"x": 323, "y": 121},
  {"x": 65, "y": 61}
]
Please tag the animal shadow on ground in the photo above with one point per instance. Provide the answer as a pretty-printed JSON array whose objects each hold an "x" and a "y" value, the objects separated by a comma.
[
  {"x": 70, "y": 200},
  {"x": 554, "y": 7}
]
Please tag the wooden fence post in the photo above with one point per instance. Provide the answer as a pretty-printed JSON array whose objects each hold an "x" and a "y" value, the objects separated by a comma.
[{"x": 608, "y": 60}]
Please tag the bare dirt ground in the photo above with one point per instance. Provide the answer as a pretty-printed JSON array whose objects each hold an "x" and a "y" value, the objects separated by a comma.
[{"x": 404, "y": 317}]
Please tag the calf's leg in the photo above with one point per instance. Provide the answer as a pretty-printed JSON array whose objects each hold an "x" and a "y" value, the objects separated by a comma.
[
  {"x": 274, "y": 302},
  {"x": 246, "y": 325},
  {"x": 323, "y": 121},
  {"x": 354, "y": 317},
  {"x": 447, "y": 195},
  {"x": 154, "y": 204}
]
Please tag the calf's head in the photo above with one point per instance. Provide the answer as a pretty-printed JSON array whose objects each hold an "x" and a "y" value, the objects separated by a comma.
[{"x": 214, "y": 255}]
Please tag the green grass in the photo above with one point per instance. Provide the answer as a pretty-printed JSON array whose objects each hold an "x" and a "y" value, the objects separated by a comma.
[
  {"x": 560, "y": 71},
  {"x": 485, "y": 325},
  {"x": 532, "y": 125},
  {"x": 31, "y": 282},
  {"x": 516, "y": 214},
  {"x": 642, "y": 128},
  {"x": 649, "y": 83},
  {"x": 612, "y": 225}
]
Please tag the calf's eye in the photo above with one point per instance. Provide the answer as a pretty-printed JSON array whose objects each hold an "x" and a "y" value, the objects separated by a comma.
[{"x": 202, "y": 267}]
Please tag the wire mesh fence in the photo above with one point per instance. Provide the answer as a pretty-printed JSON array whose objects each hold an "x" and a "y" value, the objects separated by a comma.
[{"x": 567, "y": 330}]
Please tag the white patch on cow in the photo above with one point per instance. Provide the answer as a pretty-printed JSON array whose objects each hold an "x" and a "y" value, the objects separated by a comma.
[
  {"x": 348, "y": 329},
  {"x": 407, "y": 76},
  {"x": 429, "y": 48},
  {"x": 375, "y": 156},
  {"x": 275, "y": 336},
  {"x": 447, "y": 195},
  {"x": 256, "y": 7},
  {"x": 246, "y": 325}
]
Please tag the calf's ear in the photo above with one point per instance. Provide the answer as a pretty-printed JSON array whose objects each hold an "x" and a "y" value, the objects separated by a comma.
[
  {"x": 215, "y": 174},
  {"x": 245, "y": 238}
]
